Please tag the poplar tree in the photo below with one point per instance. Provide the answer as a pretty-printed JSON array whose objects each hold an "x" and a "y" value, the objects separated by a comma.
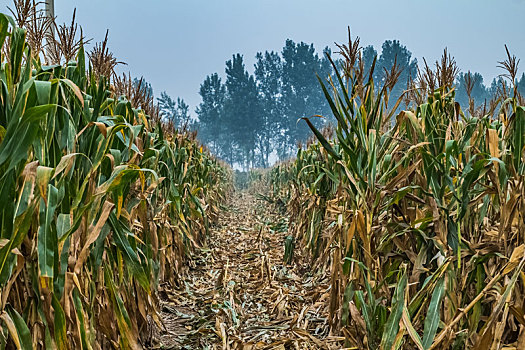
[
  {"x": 242, "y": 113},
  {"x": 210, "y": 113},
  {"x": 268, "y": 72}
]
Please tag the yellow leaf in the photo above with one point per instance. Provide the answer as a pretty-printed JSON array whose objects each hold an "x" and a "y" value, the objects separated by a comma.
[
  {"x": 93, "y": 234},
  {"x": 102, "y": 128},
  {"x": 120, "y": 199},
  {"x": 515, "y": 258},
  {"x": 11, "y": 328},
  {"x": 493, "y": 141},
  {"x": 75, "y": 89},
  {"x": 142, "y": 181}
]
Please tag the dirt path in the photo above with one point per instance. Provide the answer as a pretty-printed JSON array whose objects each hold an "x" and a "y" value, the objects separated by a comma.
[{"x": 239, "y": 295}]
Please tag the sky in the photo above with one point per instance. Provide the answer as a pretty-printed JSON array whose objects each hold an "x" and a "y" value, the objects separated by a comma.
[{"x": 176, "y": 44}]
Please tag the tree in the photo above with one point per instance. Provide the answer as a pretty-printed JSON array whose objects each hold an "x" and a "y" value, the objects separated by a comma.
[
  {"x": 182, "y": 113},
  {"x": 268, "y": 73},
  {"x": 176, "y": 112},
  {"x": 242, "y": 112},
  {"x": 167, "y": 106},
  {"x": 369, "y": 54},
  {"x": 210, "y": 114},
  {"x": 521, "y": 85},
  {"x": 301, "y": 95},
  {"x": 498, "y": 87},
  {"x": 325, "y": 72}
]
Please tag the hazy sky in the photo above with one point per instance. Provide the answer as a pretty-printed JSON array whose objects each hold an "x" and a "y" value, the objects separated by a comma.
[{"x": 175, "y": 44}]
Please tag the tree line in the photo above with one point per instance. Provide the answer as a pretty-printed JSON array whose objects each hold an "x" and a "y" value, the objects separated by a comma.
[
  {"x": 251, "y": 118},
  {"x": 246, "y": 117}
]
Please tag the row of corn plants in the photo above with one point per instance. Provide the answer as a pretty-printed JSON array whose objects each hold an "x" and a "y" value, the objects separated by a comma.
[
  {"x": 417, "y": 214},
  {"x": 99, "y": 205}
]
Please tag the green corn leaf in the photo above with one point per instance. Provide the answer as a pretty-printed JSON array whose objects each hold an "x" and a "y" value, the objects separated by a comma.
[
  {"x": 518, "y": 135},
  {"x": 81, "y": 320},
  {"x": 340, "y": 121},
  {"x": 128, "y": 339},
  {"x": 396, "y": 312},
  {"x": 22, "y": 331},
  {"x": 18, "y": 45},
  {"x": 47, "y": 239},
  {"x": 348, "y": 296},
  {"x": 20, "y": 134},
  {"x": 4, "y": 24},
  {"x": 365, "y": 312},
  {"x": 63, "y": 225},
  {"x": 433, "y": 314},
  {"x": 411, "y": 330},
  {"x": 322, "y": 139},
  {"x": 59, "y": 325},
  {"x": 121, "y": 234}
]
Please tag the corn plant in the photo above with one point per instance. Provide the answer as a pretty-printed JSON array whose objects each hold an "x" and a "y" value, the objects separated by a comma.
[
  {"x": 417, "y": 213},
  {"x": 100, "y": 203}
]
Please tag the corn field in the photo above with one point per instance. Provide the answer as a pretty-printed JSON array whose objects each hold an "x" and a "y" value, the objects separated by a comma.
[
  {"x": 416, "y": 213},
  {"x": 400, "y": 227},
  {"x": 100, "y": 201}
]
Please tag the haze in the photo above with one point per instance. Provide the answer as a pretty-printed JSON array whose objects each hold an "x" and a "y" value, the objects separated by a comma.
[{"x": 175, "y": 44}]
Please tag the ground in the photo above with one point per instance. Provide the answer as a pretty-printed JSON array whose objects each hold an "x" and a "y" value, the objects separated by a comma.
[{"x": 239, "y": 294}]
